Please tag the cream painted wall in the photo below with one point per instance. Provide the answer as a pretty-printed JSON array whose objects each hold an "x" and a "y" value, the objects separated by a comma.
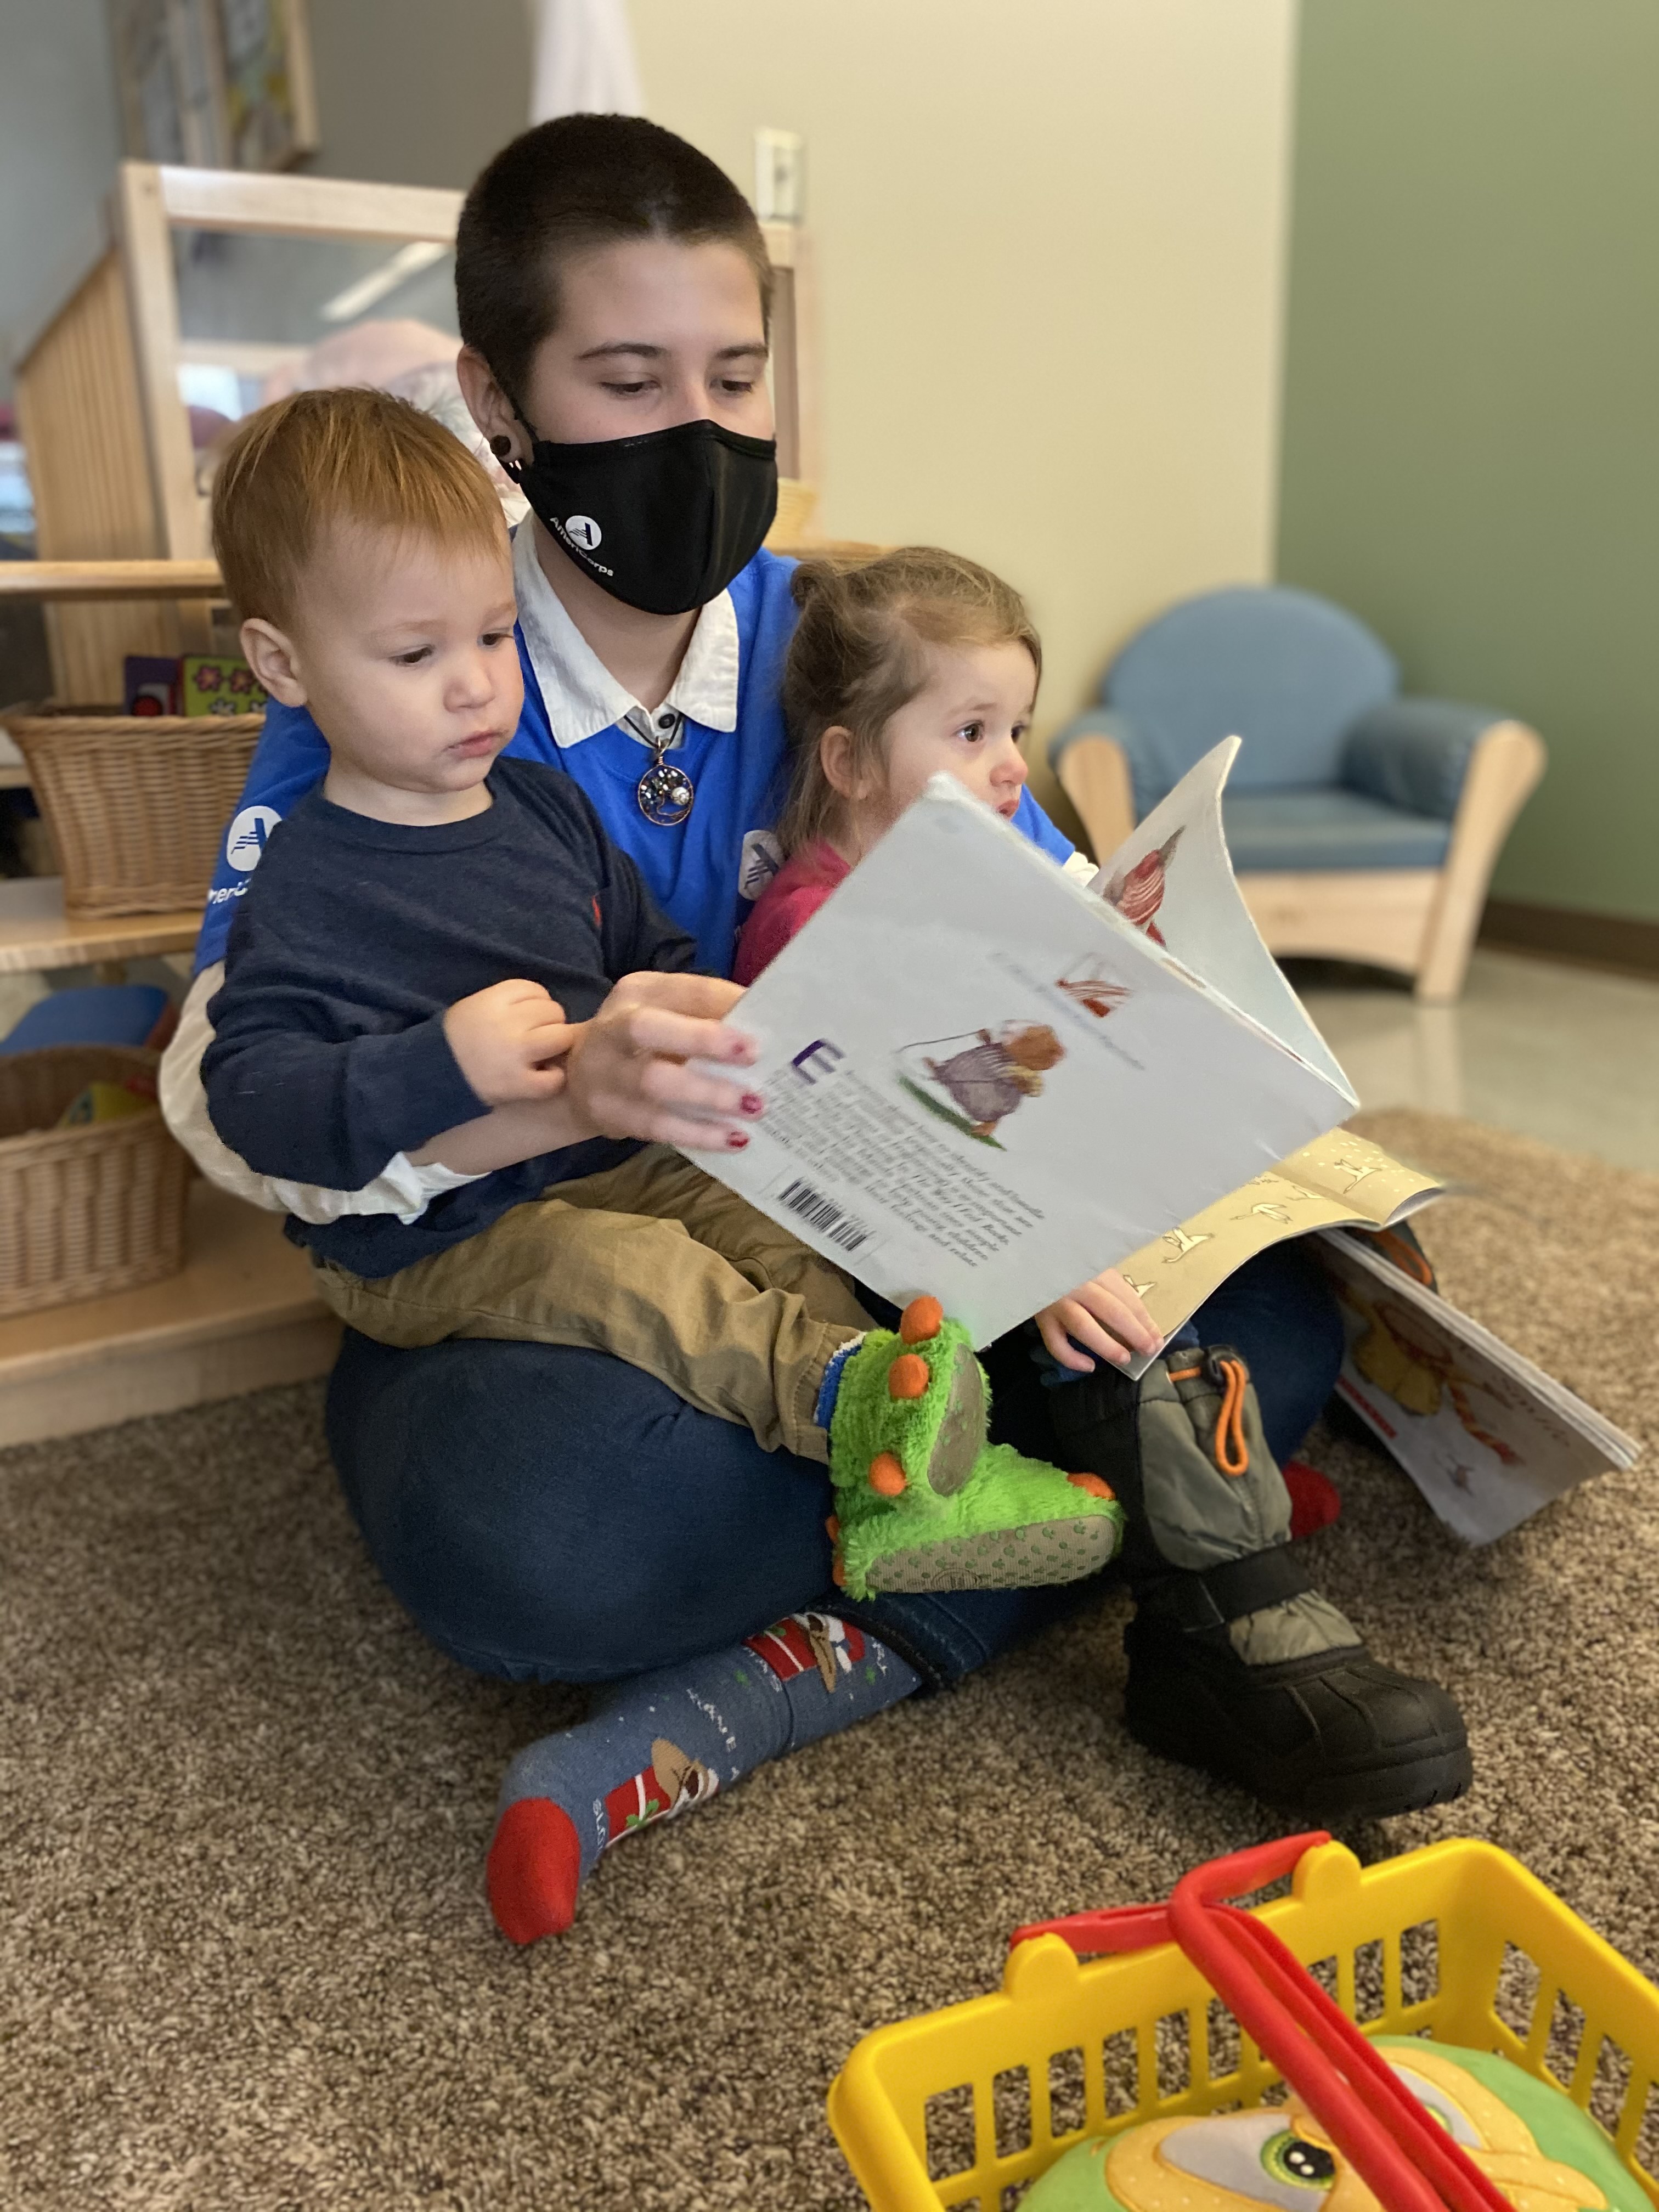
[{"x": 1051, "y": 248}]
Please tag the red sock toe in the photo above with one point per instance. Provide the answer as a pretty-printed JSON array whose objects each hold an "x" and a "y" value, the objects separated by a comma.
[
  {"x": 1315, "y": 1499},
  {"x": 533, "y": 1870}
]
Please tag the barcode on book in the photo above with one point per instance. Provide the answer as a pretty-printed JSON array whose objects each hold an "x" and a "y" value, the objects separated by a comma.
[{"x": 822, "y": 1214}]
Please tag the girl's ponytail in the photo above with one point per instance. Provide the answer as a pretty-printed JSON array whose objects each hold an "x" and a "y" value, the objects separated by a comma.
[{"x": 811, "y": 580}]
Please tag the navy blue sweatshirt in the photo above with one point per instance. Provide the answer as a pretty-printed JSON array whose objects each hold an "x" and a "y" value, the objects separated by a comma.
[{"x": 354, "y": 937}]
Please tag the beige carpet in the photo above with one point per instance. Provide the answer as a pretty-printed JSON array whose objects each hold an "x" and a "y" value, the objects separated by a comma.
[{"x": 245, "y": 1961}]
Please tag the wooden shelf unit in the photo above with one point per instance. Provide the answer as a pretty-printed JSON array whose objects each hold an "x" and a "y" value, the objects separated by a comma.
[
  {"x": 239, "y": 1316},
  {"x": 110, "y": 579},
  {"x": 37, "y": 936}
]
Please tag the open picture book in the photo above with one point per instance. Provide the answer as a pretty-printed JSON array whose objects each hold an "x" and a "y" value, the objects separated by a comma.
[
  {"x": 1339, "y": 1180},
  {"x": 987, "y": 1080}
]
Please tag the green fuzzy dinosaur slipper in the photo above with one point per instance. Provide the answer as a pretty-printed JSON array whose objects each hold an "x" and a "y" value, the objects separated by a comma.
[
  {"x": 911, "y": 1408},
  {"x": 923, "y": 1502}
]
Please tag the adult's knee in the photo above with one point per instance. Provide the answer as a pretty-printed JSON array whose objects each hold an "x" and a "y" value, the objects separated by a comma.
[{"x": 550, "y": 1513}]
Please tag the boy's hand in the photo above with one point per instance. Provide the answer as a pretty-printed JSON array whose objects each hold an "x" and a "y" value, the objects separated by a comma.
[
  {"x": 1106, "y": 1316},
  {"x": 628, "y": 1072},
  {"x": 504, "y": 1039}
]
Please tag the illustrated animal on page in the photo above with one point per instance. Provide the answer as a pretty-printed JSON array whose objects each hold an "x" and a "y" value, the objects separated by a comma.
[{"x": 995, "y": 1071}]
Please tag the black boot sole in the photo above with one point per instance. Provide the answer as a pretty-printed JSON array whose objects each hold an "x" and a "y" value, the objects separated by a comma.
[
  {"x": 1376, "y": 1794},
  {"x": 1203, "y": 1730}
]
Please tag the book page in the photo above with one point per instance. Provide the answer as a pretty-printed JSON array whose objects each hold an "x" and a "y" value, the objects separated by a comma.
[
  {"x": 1369, "y": 1184},
  {"x": 1487, "y": 1436},
  {"x": 1339, "y": 1178},
  {"x": 982, "y": 1083},
  {"x": 1173, "y": 877}
]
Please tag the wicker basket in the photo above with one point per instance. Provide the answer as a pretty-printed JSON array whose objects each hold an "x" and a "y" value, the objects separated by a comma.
[
  {"x": 83, "y": 1211},
  {"x": 137, "y": 806}
]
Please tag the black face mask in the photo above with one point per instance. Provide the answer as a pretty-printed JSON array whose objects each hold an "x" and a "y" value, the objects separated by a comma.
[{"x": 662, "y": 522}]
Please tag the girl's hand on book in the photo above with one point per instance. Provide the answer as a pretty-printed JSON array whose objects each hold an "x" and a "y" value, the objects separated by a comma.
[
  {"x": 628, "y": 1071},
  {"x": 1105, "y": 1316}
]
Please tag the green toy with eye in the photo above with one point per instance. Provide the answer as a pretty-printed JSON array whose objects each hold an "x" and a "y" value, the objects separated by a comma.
[{"x": 1533, "y": 2143}]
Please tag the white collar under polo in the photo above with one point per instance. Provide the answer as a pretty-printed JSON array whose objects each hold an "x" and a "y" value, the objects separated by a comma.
[{"x": 581, "y": 695}]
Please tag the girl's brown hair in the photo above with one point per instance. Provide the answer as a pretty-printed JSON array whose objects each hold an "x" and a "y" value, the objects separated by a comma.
[{"x": 860, "y": 654}]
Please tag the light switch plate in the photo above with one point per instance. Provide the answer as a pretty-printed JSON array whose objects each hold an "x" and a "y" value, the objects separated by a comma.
[{"x": 780, "y": 175}]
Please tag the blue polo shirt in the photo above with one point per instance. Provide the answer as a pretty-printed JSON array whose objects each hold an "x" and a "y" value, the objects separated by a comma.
[{"x": 707, "y": 871}]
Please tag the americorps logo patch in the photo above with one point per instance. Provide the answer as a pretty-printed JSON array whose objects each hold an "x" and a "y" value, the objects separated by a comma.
[
  {"x": 245, "y": 841},
  {"x": 762, "y": 858},
  {"x": 583, "y": 531}
]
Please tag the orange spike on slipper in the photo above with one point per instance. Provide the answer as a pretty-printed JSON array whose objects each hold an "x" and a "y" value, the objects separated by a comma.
[
  {"x": 907, "y": 1376},
  {"x": 1094, "y": 1485},
  {"x": 887, "y": 1476},
  {"x": 922, "y": 1320}
]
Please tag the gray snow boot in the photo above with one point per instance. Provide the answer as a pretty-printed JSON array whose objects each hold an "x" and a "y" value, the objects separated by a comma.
[{"x": 1236, "y": 1665}]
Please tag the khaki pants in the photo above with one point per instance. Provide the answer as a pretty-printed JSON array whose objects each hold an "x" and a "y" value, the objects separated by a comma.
[{"x": 653, "y": 1262}]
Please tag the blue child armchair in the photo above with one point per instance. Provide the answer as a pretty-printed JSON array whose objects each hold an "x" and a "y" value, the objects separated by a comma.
[{"x": 1363, "y": 825}]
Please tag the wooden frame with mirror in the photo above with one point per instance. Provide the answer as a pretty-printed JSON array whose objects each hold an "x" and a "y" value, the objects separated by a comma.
[{"x": 220, "y": 289}]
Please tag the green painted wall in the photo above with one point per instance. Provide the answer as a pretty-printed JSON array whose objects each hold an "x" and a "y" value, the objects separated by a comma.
[{"x": 1471, "y": 440}]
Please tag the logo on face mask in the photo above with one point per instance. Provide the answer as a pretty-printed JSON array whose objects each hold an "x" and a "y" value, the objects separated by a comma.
[{"x": 582, "y": 530}]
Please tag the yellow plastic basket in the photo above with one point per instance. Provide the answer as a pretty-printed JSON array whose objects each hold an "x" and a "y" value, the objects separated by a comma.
[{"x": 964, "y": 2107}]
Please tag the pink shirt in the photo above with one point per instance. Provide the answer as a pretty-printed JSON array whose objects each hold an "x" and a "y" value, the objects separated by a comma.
[{"x": 787, "y": 905}]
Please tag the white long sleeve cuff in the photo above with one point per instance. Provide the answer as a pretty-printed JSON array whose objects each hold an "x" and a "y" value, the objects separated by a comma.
[{"x": 401, "y": 1187}]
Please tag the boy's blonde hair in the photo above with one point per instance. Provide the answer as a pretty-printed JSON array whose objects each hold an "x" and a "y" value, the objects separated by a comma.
[
  {"x": 858, "y": 654},
  {"x": 295, "y": 469}
]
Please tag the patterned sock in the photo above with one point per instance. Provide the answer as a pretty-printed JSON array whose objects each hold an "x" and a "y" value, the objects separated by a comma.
[{"x": 663, "y": 1742}]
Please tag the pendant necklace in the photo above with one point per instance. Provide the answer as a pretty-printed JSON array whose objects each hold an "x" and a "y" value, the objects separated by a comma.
[{"x": 664, "y": 792}]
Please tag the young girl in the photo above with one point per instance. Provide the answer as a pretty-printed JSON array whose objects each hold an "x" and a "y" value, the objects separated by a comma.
[
  {"x": 917, "y": 663},
  {"x": 546, "y": 1512}
]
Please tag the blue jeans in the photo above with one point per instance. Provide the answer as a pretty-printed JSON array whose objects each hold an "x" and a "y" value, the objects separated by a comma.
[{"x": 548, "y": 1514}]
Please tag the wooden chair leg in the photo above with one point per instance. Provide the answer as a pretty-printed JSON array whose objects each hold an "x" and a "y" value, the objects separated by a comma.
[
  {"x": 1094, "y": 773},
  {"x": 1504, "y": 769}
]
